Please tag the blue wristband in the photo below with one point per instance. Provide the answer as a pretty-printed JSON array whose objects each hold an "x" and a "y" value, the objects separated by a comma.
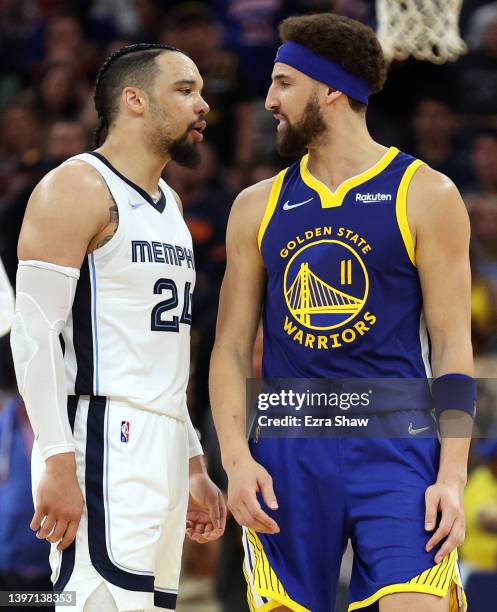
[{"x": 454, "y": 392}]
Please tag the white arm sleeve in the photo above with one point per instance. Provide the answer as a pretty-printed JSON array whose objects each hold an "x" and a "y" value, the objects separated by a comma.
[
  {"x": 45, "y": 294},
  {"x": 194, "y": 446},
  {"x": 6, "y": 302}
]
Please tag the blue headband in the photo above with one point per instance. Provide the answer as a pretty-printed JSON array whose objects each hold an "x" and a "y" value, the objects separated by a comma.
[{"x": 323, "y": 70}]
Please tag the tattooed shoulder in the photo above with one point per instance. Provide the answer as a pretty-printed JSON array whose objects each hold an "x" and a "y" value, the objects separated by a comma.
[
  {"x": 113, "y": 222},
  {"x": 111, "y": 229}
]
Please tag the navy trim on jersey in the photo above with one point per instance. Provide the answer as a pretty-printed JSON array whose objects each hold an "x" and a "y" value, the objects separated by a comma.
[
  {"x": 159, "y": 206},
  {"x": 72, "y": 406},
  {"x": 165, "y": 600},
  {"x": 94, "y": 318},
  {"x": 94, "y": 475},
  {"x": 68, "y": 555},
  {"x": 82, "y": 333}
]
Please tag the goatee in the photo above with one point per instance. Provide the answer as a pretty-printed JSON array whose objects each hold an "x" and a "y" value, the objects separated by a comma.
[
  {"x": 183, "y": 152},
  {"x": 295, "y": 139}
]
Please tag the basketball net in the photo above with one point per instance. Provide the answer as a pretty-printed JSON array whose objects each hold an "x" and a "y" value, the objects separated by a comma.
[{"x": 426, "y": 29}]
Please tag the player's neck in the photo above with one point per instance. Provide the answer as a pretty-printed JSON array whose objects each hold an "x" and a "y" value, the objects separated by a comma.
[
  {"x": 134, "y": 160},
  {"x": 348, "y": 151}
]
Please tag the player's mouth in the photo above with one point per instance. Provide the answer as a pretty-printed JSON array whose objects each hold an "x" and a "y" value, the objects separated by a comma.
[
  {"x": 197, "y": 129},
  {"x": 282, "y": 121}
]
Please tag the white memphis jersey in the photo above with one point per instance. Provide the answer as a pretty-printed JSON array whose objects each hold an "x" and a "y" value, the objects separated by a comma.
[{"x": 128, "y": 336}]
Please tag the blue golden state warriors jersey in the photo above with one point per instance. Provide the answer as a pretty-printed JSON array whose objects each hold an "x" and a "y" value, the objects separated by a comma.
[{"x": 343, "y": 296}]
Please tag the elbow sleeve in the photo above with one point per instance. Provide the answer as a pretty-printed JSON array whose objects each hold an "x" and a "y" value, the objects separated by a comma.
[{"x": 45, "y": 294}]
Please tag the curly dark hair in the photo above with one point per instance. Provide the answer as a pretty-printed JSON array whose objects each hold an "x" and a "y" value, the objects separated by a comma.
[
  {"x": 133, "y": 65},
  {"x": 345, "y": 41}
]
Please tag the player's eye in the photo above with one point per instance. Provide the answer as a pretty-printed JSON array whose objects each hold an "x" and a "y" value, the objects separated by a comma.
[{"x": 186, "y": 90}]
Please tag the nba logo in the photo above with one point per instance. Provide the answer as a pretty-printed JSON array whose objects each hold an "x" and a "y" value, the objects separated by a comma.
[{"x": 124, "y": 431}]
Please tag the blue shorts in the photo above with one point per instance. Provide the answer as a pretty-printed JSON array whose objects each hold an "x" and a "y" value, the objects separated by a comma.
[{"x": 330, "y": 490}]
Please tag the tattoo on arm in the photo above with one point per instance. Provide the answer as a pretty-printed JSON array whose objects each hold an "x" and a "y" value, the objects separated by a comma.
[
  {"x": 113, "y": 224},
  {"x": 114, "y": 214}
]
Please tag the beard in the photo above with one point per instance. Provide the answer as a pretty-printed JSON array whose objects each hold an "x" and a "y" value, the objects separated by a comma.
[
  {"x": 295, "y": 139},
  {"x": 179, "y": 149},
  {"x": 183, "y": 152}
]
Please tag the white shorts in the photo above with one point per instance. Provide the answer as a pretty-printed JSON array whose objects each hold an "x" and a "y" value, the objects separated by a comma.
[{"x": 132, "y": 466}]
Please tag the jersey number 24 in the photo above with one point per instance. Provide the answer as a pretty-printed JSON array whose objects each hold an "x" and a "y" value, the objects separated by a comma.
[{"x": 171, "y": 325}]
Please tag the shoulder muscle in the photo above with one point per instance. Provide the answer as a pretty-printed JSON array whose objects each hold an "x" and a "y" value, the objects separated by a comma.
[
  {"x": 436, "y": 209},
  {"x": 248, "y": 211},
  {"x": 67, "y": 208}
]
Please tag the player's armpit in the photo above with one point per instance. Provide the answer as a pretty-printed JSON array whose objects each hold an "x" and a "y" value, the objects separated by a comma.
[{"x": 67, "y": 209}]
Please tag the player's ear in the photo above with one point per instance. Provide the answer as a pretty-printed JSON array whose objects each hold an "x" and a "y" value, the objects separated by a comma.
[
  {"x": 134, "y": 99},
  {"x": 332, "y": 95}
]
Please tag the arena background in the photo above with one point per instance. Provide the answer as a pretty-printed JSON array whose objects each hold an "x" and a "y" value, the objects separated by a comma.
[{"x": 445, "y": 114}]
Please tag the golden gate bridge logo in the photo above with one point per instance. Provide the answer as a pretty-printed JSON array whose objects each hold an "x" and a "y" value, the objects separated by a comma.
[{"x": 311, "y": 299}]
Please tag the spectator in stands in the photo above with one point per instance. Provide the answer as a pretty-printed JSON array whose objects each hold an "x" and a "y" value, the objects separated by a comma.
[
  {"x": 60, "y": 95},
  {"x": 250, "y": 31},
  {"x": 18, "y": 20},
  {"x": 65, "y": 42},
  {"x": 65, "y": 139},
  {"x": 23, "y": 558},
  {"x": 479, "y": 551},
  {"x": 20, "y": 148},
  {"x": 483, "y": 311},
  {"x": 434, "y": 128},
  {"x": 192, "y": 28},
  {"x": 481, "y": 200},
  {"x": 484, "y": 161},
  {"x": 477, "y": 85}
]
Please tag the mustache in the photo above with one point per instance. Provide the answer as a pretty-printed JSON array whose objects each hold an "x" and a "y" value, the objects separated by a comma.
[{"x": 200, "y": 119}]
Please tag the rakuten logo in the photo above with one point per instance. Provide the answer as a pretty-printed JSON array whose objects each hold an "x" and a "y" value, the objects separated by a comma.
[{"x": 373, "y": 197}]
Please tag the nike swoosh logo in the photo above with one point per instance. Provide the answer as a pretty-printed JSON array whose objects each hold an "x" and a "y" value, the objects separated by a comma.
[
  {"x": 137, "y": 205},
  {"x": 288, "y": 206},
  {"x": 414, "y": 432}
]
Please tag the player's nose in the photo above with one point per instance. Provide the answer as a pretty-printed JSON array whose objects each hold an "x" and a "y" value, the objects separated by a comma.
[
  {"x": 271, "y": 103},
  {"x": 203, "y": 108}
]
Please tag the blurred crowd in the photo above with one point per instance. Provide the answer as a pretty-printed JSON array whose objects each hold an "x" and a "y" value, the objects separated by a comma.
[{"x": 50, "y": 52}]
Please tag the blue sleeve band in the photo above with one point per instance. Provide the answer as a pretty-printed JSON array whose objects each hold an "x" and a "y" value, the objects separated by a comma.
[
  {"x": 454, "y": 392},
  {"x": 323, "y": 69}
]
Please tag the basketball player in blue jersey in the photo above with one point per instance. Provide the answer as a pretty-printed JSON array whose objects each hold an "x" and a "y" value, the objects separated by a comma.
[
  {"x": 355, "y": 253},
  {"x": 106, "y": 261}
]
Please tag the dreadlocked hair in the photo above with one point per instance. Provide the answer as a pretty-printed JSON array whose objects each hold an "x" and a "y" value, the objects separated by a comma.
[{"x": 131, "y": 65}]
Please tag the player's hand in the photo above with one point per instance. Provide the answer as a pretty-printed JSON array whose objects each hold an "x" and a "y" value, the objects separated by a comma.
[
  {"x": 59, "y": 502},
  {"x": 446, "y": 498},
  {"x": 206, "y": 515},
  {"x": 245, "y": 480}
]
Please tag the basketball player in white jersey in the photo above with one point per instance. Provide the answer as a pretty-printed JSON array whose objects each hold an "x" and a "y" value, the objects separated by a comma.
[{"x": 106, "y": 261}]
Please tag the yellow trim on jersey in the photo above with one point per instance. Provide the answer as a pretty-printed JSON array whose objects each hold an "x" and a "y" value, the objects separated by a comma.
[
  {"x": 265, "y": 582},
  {"x": 331, "y": 199},
  {"x": 271, "y": 205},
  {"x": 446, "y": 572},
  {"x": 250, "y": 595},
  {"x": 401, "y": 208}
]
